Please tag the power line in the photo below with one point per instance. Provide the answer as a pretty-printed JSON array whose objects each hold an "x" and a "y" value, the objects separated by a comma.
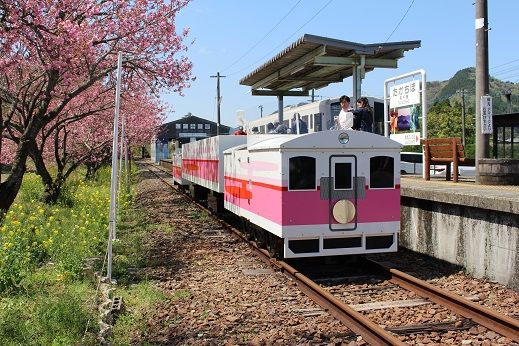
[
  {"x": 295, "y": 32},
  {"x": 264, "y": 37},
  {"x": 506, "y": 63},
  {"x": 509, "y": 77},
  {"x": 396, "y": 27},
  {"x": 506, "y": 70}
]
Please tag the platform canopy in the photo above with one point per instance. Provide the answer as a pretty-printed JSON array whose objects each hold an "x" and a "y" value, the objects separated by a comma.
[{"x": 313, "y": 62}]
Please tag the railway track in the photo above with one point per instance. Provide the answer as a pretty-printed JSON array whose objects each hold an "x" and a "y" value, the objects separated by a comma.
[{"x": 372, "y": 332}]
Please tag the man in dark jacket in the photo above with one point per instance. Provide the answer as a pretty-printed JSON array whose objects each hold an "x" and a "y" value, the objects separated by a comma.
[
  {"x": 303, "y": 128},
  {"x": 363, "y": 116}
]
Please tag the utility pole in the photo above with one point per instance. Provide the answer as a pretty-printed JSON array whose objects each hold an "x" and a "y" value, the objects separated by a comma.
[
  {"x": 462, "y": 92},
  {"x": 482, "y": 84},
  {"x": 261, "y": 110},
  {"x": 218, "y": 101}
]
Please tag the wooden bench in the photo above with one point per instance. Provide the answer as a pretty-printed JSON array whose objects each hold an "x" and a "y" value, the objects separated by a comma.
[{"x": 444, "y": 151}]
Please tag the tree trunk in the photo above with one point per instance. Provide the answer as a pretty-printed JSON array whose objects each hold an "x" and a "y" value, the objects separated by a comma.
[
  {"x": 92, "y": 169},
  {"x": 53, "y": 191},
  {"x": 9, "y": 189},
  {"x": 52, "y": 188}
]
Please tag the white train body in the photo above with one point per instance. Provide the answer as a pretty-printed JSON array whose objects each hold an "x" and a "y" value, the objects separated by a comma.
[
  {"x": 202, "y": 161},
  {"x": 319, "y": 115},
  {"x": 324, "y": 193}
]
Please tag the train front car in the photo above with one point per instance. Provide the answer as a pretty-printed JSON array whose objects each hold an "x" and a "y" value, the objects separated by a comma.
[{"x": 318, "y": 194}]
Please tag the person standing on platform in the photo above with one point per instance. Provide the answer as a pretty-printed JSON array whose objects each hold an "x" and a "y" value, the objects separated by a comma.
[
  {"x": 281, "y": 128},
  {"x": 298, "y": 122},
  {"x": 363, "y": 116},
  {"x": 346, "y": 114}
]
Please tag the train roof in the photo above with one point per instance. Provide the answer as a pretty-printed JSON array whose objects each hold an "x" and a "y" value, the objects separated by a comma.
[{"x": 321, "y": 140}]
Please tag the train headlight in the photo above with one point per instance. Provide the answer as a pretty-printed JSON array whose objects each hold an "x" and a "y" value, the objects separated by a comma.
[
  {"x": 343, "y": 211},
  {"x": 343, "y": 138}
]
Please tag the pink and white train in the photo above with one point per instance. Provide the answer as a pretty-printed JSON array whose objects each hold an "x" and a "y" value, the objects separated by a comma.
[{"x": 317, "y": 194}]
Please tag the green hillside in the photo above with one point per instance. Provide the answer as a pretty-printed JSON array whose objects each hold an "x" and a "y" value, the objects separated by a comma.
[{"x": 438, "y": 91}]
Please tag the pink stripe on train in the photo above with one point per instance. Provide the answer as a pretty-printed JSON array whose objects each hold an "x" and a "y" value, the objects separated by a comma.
[
  {"x": 204, "y": 169},
  {"x": 284, "y": 207}
]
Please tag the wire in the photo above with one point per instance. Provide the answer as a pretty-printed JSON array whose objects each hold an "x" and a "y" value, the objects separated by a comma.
[
  {"x": 289, "y": 37},
  {"x": 509, "y": 77},
  {"x": 506, "y": 70},
  {"x": 264, "y": 37},
  {"x": 506, "y": 63},
  {"x": 396, "y": 27}
]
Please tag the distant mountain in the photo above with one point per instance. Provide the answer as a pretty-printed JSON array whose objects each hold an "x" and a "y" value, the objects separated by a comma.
[{"x": 438, "y": 91}]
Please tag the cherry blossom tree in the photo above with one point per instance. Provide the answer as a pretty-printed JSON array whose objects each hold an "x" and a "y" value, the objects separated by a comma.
[
  {"x": 54, "y": 51},
  {"x": 67, "y": 144}
]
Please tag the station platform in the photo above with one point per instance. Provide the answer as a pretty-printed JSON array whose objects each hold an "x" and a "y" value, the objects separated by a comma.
[
  {"x": 465, "y": 192},
  {"x": 475, "y": 226}
]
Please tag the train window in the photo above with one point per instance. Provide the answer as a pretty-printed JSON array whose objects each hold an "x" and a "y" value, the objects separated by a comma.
[
  {"x": 381, "y": 172},
  {"x": 318, "y": 122},
  {"x": 301, "y": 173},
  {"x": 342, "y": 176},
  {"x": 305, "y": 119}
]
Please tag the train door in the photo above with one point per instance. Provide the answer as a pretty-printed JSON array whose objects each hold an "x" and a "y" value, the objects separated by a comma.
[{"x": 343, "y": 192}]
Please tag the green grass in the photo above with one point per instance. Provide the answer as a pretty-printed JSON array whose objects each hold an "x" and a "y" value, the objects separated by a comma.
[
  {"x": 44, "y": 297},
  {"x": 51, "y": 314},
  {"x": 139, "y": 300},
  {"x": 140, "y": 296}
]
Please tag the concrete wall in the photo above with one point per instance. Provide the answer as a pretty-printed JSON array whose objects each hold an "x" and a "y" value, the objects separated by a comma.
[{"x": 484, "y": 241}]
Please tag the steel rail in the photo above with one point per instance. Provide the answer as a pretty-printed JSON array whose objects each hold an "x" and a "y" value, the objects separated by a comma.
[
  {"x": 371, "y": 332},
  {"x": 499, "y": 323}
]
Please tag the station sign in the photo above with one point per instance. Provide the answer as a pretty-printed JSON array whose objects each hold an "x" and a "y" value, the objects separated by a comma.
[
  {"x": 486, "y": 114},
  {"x": 409, "y": 138},
  {"x": 405, "y": 94},
  {"x": 191, "y": 135}
]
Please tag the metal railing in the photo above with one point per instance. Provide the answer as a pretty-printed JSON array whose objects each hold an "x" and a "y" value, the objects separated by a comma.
[{"x": 505, "y": 139}]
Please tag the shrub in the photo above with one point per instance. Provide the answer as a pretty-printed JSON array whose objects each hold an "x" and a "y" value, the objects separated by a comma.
[{"x": 32, "y": 232}]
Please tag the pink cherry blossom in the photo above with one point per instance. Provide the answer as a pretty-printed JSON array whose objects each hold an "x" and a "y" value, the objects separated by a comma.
[{"x": 57, "y": 68}]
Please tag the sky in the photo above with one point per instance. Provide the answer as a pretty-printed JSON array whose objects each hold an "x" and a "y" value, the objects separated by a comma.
[{"x": 234, "y": 37}]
